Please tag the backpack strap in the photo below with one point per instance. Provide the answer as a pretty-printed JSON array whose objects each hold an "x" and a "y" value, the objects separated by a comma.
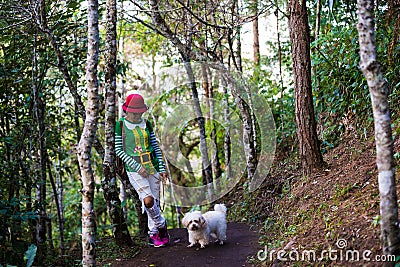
[
  {"x": 149, "y": 126},
  {"x": 121, "y": 124}
]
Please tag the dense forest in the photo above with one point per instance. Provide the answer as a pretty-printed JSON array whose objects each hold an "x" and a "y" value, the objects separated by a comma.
[{"x": 250, "y": 101}]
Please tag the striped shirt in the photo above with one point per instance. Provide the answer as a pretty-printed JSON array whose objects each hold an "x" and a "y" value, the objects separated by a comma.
[{"x": 139, "y": 138}]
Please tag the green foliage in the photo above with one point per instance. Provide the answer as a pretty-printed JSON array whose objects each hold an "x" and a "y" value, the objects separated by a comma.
[
  {"x": 340, "y": 88},
  {"x": 376, "y": 220},
  {"x": 30, "y": 255},
  {"x": 11, "y": 212},
  {"x": 272, "y": 81},
  {"x": 14, "y": 219},
  {"x": 343, "y": 191},
  {"x": 342, "y": 100}
]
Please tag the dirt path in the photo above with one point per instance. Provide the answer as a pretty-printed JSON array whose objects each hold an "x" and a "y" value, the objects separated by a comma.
[{"x": 241, "y": 243}]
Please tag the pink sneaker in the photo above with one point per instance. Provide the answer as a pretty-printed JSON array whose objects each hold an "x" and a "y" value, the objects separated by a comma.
[
  {"x": 163, "y": 234},
  {"x": 156, "y": 241}
]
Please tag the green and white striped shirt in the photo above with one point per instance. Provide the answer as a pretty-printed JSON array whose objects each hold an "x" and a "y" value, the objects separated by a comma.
[{"x": 139, "y": 138}]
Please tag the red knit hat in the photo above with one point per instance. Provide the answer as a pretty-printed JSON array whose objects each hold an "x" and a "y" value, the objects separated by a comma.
[{"x": 134, "y": 103}]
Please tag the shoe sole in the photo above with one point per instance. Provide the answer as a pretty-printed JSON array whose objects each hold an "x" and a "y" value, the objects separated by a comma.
[{"x": 157, "y": 246}]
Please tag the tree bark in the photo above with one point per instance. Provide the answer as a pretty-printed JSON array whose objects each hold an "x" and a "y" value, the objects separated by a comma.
[
  {"x": 317, "y": 19},
  {"x": 142, "y": 217},
  {"x": 309, "y": 150},
  {"x": 58, "y": 204},
  {"x": 383, "y": 132},
  {"x": 394, "y": 14},
  {"x": 207, "y": 168},
  {"x": 38, "y": 113},
  {"x": 87, "y": 138},
  {"x": 227, "y": 136},
  {"x": 256, "y": 36},
  {"x": 41, "y": 182},
  {"x": 109, "y": 183}
]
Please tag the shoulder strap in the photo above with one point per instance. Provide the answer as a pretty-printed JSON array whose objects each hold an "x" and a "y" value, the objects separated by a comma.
[
  {"x": 121, "y": 123},
  {"x": 149, "y": 126}
]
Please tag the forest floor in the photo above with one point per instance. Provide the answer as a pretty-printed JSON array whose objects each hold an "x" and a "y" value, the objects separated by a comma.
[
  {"x": 240, "y": 245},
  {"x": 333, "y": 213}
]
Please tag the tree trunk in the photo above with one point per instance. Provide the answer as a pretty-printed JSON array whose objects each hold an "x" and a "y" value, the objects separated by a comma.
[
  {"x": 317, "y": 19},
  {"x": 248, "y": 134},
  {"x": 236, "y": 53},
  {"x": 207, "y": 169},
  {"x": 256, "y": 35},
  {"x": 41, "y": 182},
  {"x": 316, "y": 33},
  {"x": 59, "y": 187},
  {"x": 28, "y": 205},
  {"x": 309, "y": 150},
  {"x": 394, "y": 14},
  {"x": 209, "y": 94},
  {"x": 383, "y": 132},
  {"x": 87, "y": 138},
  {"x": 227, "y": 136},
  {"x": 58, "y": 204},
  {"x": 238, "y": 39},
  {"x": 280, "y": 72},
  {"x": 109, "y": 183},
  {"x": 142, "y": 217}
]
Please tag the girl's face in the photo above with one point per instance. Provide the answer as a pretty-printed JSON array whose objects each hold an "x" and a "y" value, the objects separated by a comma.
[{"x": 134, "y": 117}]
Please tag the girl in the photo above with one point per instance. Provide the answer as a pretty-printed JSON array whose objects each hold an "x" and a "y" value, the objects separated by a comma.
[{"x": 136, "y": 145}]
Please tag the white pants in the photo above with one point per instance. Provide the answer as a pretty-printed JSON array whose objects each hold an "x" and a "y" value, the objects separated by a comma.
[{"x": 149, "y": 187}]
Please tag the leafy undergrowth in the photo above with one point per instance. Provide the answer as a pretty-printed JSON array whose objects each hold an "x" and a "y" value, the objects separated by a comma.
[
  {"x": 333, "y": 213},
  {"x": 108, "y": 251}
]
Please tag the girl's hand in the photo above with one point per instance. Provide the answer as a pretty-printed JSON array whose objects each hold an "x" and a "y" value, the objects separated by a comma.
[{"x": 163, "y": 177}]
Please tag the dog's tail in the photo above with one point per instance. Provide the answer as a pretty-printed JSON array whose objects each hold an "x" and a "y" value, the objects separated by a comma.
[{"x": 220, "y": 207}]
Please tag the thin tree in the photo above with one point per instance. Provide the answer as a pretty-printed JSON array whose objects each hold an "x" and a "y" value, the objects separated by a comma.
[
  {"x": 207, "y": 169},
  {"x": 87, "y": 138},
  {"x": 309, "y": 149},
  {"x": 256, "y": 37},
  {"x": 109, "y": 183},
  {"x": 41, "y": 182},
  {"x": 383, "y": 132},
  {"x": 394, "y": 12}
]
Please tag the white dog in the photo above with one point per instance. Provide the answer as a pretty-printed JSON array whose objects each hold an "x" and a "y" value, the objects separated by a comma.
[{"x": 202, "y": 226}]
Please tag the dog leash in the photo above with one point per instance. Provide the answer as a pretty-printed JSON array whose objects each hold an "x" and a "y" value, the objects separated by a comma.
[{"x": 178, "y": 208}]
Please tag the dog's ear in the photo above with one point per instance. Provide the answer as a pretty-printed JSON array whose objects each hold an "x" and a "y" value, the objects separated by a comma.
[
  {"x": 202, "y": 220},
  {"x": 184, "y": 221}
]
